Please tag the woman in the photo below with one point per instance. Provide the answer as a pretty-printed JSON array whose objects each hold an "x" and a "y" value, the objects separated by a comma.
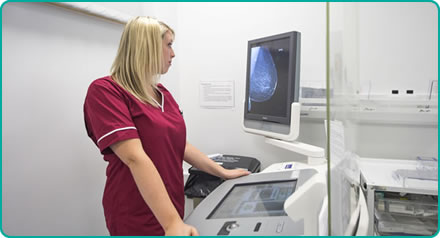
[{"x": 139, "y": 129}]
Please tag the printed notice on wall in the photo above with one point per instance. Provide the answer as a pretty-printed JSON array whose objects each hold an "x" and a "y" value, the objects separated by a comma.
[{"x": 216, "y": 94}]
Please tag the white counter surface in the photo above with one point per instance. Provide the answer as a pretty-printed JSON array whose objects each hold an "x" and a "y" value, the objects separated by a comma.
[{"x": 378, "y": 172}]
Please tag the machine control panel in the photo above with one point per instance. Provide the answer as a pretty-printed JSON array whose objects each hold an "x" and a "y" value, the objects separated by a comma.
[{"x": 251, "y": 205}]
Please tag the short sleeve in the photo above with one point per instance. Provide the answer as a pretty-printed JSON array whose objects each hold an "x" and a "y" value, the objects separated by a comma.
[{"x": 107, "y": 116}]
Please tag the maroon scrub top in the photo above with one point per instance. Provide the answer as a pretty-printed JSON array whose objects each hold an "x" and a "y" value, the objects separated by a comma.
[{"x": 113, "y": 114}]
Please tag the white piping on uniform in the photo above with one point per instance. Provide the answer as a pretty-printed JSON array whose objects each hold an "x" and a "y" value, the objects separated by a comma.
[
  {"x": 161, "y": 106},
  {"x": 111, "y": 132},
  {"x": 163, "y": 102}
]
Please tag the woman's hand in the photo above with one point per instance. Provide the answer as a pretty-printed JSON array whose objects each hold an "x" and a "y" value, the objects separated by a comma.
[
  {"x": 180, "y": 229},
  {"x": 199, "y": 160},
  {"x": 234, "y": 173}
]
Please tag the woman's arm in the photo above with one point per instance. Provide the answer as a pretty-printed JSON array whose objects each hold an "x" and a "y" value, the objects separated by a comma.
[
  {"x": 199, "y": 160},
  {"x": 147, "y": 179}
]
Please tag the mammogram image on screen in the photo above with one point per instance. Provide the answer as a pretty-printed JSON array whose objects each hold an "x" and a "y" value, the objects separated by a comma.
[
  {"x": 264, "y": 75},
  {"x": 255, "y": 200},
  {"x": 268, "y": 78}
]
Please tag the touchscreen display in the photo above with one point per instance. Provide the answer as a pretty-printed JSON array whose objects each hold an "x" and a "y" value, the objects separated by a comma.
[{"x": 255, "y": 200}]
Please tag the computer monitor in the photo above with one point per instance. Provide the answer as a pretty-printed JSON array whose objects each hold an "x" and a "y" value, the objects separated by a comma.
[{"x": 272, "y": 85}]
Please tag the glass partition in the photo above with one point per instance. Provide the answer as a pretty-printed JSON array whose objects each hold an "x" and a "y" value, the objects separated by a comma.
[
  {"x": 343, "y": 84},
  {"x": 382, "y": 118}
]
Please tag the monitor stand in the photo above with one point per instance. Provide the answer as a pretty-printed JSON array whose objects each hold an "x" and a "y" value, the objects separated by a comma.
[{"x": 315, "y": 155}]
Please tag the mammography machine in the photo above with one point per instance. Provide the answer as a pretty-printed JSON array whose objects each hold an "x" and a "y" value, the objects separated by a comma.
[
  {"x": 283, "y": 201},
  {"x": 285, "y": 198}
]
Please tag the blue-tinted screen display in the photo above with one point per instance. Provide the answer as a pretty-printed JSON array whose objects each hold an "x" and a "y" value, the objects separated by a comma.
[{"x": 269, "y": 71}]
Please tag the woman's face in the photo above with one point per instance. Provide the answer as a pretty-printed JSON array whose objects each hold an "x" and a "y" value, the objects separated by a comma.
[{"x": 168, "y": 52}]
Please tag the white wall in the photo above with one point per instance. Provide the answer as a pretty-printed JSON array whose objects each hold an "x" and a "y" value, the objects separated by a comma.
[
  {"x": 133, "y": 9},
  {"x": 398, "y": 46},
  {"x": 52, "y": 175},
  {"x": 398, "y": 50}
]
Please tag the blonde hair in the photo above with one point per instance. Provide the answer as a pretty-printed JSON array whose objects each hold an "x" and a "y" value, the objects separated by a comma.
[{"x": 138, "y": 63}]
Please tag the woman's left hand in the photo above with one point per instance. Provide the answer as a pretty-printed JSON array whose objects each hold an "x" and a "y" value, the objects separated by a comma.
[{"x": 234, "y": 173}]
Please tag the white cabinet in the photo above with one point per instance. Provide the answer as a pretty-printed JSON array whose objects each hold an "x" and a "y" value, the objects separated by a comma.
[{"x": 397, "y": 207}]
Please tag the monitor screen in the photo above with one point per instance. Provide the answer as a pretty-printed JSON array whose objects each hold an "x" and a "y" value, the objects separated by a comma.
[
  {"x": 268, "y": 78},
  {"x": 255, "y": 200},
  {"x": 272, "y": 78}
]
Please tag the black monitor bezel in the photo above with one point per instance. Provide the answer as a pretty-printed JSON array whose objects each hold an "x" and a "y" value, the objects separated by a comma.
[{"x": 293, "y": 79}]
